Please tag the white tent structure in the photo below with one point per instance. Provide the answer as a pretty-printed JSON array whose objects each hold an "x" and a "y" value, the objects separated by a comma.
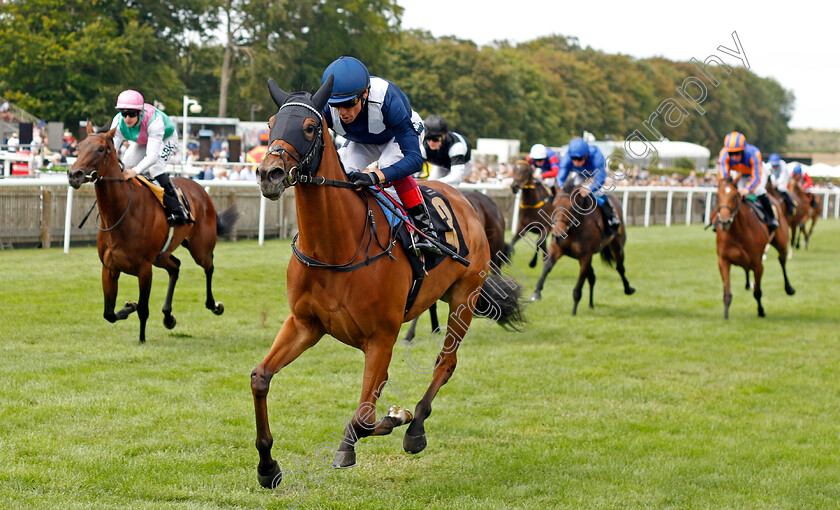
[
  {"x": 667, "y": 153},
  {"x": 819, "y": 170}
]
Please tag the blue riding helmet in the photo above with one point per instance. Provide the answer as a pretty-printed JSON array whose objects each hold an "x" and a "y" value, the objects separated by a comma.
[
  {"x": 797, "y": 169},
  {"x": 351, "y": 79},
  {"x": 578, "y": 148},
  {"x": 774, "y": 159}
]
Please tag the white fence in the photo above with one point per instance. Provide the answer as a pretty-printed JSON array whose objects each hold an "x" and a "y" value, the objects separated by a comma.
[{"x": 687, "y": 200}]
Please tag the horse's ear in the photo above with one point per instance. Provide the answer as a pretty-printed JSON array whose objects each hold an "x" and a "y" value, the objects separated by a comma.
[
  {"x": 320, "y": 98},
  {"x": 111, "y": 132},
  {"x": 276, "y": 92},
  {"x": 89, "y": 127}
]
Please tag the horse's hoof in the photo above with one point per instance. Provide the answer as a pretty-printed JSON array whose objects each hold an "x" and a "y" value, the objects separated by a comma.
[
  {"x": 414, "y": 444},
  {"x": 220, "y": 309},
  {"x": 790, "y": 291},
  {"x": 629, "y": 290},
  {"x": 761, "y": 313},
  {"x": 536, "y": 296},
  {"x": 273, "y": 479},
  {"x": 169, "y": 321},
  {"x": 533, "y": 263},
  {"x": 344, "y": 459}
]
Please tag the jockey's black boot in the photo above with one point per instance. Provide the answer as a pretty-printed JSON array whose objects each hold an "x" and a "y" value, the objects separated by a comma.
[
  {"x": 175, "y": 213},
  {"x": 611, "y": 220},
  {"x": 791, "y": 206},
  {"x": 420, "y": 215},
  {"x": 772, "y": 222}
]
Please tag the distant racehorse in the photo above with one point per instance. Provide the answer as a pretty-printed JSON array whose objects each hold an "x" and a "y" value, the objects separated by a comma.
[
  {"x": 534, "y": 208},
  {"x": 741, "y": 240},
  {"x": 134, "y": 229},
  {"x": 579, "y": 233}
]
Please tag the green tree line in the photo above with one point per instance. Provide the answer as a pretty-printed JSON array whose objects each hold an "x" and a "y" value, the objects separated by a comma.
[{"x": 68, "y": 60}]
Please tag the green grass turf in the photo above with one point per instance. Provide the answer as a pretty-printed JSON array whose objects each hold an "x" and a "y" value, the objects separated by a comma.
[{"x": 647, "y": 401}]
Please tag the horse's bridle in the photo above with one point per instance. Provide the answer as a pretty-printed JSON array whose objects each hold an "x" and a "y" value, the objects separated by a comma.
[
  {"x": 303, "y": 171},
  {"x": 732, "y": 211},
  {"x": 94, "y": 176}
]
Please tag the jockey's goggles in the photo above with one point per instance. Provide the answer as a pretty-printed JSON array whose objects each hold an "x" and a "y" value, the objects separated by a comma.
[
  {"x": 130, "y": 113},
  {"x": 350, "y": 103},
  {"x": 435, "y": 138}
]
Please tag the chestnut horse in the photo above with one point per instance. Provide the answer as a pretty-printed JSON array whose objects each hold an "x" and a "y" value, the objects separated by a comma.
[
  {"x": 494, "y": 228},
  {"x": 578, "y": 231},
  {"x": 741, "y": 240},
  {"x": 342, "y": 281},
  {"x": 134, "y": 229},
  {"x": 804, "y": 213},
  {"x": 534, "y": 208}
]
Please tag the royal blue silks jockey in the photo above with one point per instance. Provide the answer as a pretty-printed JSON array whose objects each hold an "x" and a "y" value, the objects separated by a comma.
[
  {"x": 737, "y": 156},
  {"x": 375, "y": 118},
  {"x": 588, "y": 161}
]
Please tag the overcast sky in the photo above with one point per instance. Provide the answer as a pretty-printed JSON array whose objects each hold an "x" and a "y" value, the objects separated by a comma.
[{"x": 797, "y": 44}]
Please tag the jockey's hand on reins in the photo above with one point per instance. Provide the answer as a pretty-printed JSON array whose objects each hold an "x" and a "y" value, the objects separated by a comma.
[
  {"x": 363, "y": 178},
  {"x": 129, "y": 173}
]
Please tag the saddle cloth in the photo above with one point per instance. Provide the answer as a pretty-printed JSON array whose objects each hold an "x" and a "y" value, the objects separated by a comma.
[
  {"x": 446, "y": 225},
  {"x": 158, "y": 193}
]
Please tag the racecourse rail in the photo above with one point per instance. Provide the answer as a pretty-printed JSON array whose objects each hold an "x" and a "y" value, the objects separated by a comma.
[{"x": 42, "y": 195}]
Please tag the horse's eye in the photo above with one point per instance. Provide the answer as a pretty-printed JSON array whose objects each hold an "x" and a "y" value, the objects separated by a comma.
[
  {"x": 101, "y": 149},
  {"x": 310, "y": 129}
]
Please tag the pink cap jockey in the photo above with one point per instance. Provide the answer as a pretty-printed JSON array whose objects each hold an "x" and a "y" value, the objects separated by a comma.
[{"x": 129, "y": 100}]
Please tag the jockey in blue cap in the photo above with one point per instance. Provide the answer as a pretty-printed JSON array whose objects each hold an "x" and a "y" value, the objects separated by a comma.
[
  {"x": 375, "y": 118},
  {"x": 588, "y": 161}
]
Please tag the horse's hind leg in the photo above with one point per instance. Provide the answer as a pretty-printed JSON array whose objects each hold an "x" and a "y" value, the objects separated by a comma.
[
  {"x": 172, "y": 266},
  {"x": 759, "y": 269},
  {"x": 585, "y": 267},
  {"x": 553, "y": 254},
  {"x": 618, "y": 253},
  {"x": 460, "y": 316},
  {"x": 590, "y": 276},
  {"x": 747, "y": 271},
  {"x": 215, "y": 306},
  {"x": 144, "y": 277},
  {"x": 294, "y": 338},
  {"x": 412, "y": 328}
]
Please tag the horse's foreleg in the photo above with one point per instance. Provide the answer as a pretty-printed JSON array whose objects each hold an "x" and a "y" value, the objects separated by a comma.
[
  {"x": 590, "y": 276},
  {"x": 723, "y": 265},
  {"x": 747, "y": 286},
  {"x": 144, "y": 278},
  {"x": 110, "y": 285},
  {"x": 363, "y": 423},
  {"x": 460, "y": 316},
  {"x": 412, "y": 330},
  {"x": 553, "y": 254},
  {"x": 210, "y": 303},
  {"x": 172, "y": 266},
  {"x": 585, "y": 267},
  {"x": 758, "y": 270},
  {"x": 433, "y": 314},
  {"x": 293, "y": 338}
]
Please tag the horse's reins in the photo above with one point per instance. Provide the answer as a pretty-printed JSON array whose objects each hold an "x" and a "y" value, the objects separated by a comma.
[
  {"x": 94, "y": 177},
  {"x": 732, "y": 219},
  {"x": 307, "y": 178}
]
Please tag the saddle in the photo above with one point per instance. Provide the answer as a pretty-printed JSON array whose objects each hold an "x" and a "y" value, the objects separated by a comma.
[
  {"x": 157, "y": 191},
  {"x": 445, "y": 224}
]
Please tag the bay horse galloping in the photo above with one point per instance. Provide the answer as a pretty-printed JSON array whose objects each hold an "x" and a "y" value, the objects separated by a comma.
[
  {"x": 494, "y": 228},
  {"x": 741, "y": 240},
  {"x": 534, "y": 208},
  {"x": 579, "y": 232},
  {"x": 345, "y": 282},
  {"x": 134, "y": 229}
]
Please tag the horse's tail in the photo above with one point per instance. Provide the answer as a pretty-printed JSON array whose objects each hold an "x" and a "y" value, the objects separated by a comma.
[
  {"x": 500, "y": 301},
  {"x": 607, "y": 256},
  {"x": 226, "y": 220}
]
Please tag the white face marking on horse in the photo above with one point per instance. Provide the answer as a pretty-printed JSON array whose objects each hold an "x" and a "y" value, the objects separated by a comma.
[{"x": 728, "y": 189}]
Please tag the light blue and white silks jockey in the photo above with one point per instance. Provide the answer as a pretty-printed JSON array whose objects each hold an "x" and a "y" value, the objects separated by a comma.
[
  {"x": 387, "y": 131},
  {"x": 778, "y": 173},
  {"x": 153, "y": 140},
  {"x": 749, "y": 173},
  {"x": 594, "y": 167}
]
